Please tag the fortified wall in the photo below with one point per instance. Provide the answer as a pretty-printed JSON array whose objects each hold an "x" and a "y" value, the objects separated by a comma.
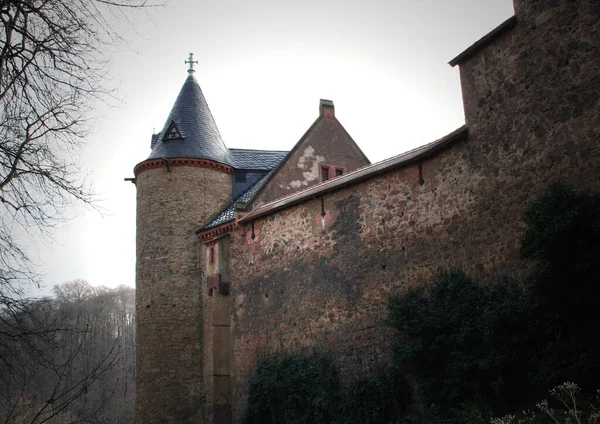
[
  {"x": 299, "y": 250},
  {"x": 314, "y": 270}
]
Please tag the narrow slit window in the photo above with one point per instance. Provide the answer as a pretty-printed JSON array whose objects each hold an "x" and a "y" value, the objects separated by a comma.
[
  {"x": 211, "y": 255},
  {"x": 324, "y": 173}
]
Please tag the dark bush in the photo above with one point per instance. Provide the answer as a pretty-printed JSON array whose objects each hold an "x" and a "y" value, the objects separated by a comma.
[
  {"x": 379, "y": 399},
  {"x": 293, "y": 389},
  {"x": 472, "y": 351},
  {"x": 563, "y": 236},
  {"x": 454, "y": 342},
  {"x": 498, "y": 348},
  {"x": 305, "y": 389}
]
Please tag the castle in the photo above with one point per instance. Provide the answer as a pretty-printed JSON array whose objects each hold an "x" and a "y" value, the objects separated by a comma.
[{"x": 245, "y": 252}]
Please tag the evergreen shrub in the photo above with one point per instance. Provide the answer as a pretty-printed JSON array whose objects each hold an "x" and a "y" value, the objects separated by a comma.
[
  {"x": 295, "y": 389},
  {"x": 499, "y": 348}
]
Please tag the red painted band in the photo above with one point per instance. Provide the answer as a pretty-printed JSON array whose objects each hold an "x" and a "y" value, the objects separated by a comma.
[{"x": 199, "y": 163}]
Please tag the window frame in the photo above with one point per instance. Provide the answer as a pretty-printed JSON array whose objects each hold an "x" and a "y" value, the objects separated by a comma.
[{"x": 331, "y": 170}]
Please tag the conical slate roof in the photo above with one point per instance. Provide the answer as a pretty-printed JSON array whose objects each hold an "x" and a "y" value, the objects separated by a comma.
[{"x": 190, "y": 131}]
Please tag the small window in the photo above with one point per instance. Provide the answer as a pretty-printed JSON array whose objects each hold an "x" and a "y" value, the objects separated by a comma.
[
  {"x": 172, "y": 132},
  {"x": 339, "y": 172},
  {"x": 211, "y": 255},
  {"x": 324, "y": 173}
]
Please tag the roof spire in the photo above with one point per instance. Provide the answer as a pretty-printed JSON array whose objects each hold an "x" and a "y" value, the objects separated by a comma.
[
  {"x": 190, "y": 130},
  {"x": 191, "y": 61}
]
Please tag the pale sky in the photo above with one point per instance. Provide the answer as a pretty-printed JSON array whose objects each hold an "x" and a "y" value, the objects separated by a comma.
[{"x": 263, "y": 66}]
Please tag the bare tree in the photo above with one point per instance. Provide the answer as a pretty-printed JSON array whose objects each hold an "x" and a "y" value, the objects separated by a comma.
[
  {"x": 52, "y": 69},
  {"x": 70, "y": 358}
]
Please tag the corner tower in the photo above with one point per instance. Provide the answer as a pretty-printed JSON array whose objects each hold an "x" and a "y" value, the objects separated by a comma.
[{"x": 186, "y": 179}]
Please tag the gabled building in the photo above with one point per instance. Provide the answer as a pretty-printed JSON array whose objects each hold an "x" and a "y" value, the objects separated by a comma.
[
  {"x": 192, "y": 181},
  {"x": 241, "y": 253}
]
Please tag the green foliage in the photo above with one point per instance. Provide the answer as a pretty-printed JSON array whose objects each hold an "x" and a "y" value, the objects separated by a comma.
[
  {"x": 465, "y": 413},
  {"x": 563, "y": 228},
  {"x": 293, "y": 389},
  {"x": 376, "y": 400},
  {"x": 305, "y": 389},
  {"x": 495, "y": 348},
  {"x": 473, "y": 351},
  {"x": 563, "y": 235},
  {"x": 454, "y": 339}
]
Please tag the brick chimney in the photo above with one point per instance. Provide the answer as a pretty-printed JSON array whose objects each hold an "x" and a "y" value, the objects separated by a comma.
[{"x": 326, "y": 108}]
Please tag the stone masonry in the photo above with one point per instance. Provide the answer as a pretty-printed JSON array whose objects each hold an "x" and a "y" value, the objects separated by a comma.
[
  {"x": 170, "y": 202},
  {"x": 531, "y": 107},
  {"x": 326, "y": 143},
  {"x": 302, "y": 265}
]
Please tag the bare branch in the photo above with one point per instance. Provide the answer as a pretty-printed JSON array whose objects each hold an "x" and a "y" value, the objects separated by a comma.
[{"x": 52, "y": 68}]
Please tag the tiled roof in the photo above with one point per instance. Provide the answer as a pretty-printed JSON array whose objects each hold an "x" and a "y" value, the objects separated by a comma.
[
  {"x": 200, "y": 136},
  {"x": 228, "y": 214},
  {"x": 257, "y": 188},
  {"x": 358, "y": 175},
  {"x": 256, "y": 159},
  {"x": 354, "y": 177},
  {"x": 249, "y": 194}
]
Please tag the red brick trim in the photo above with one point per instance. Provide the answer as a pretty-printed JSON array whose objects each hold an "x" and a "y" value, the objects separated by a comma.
[
  {"x": 199, "y": 163},
  {"x": 209, "y": 235}
]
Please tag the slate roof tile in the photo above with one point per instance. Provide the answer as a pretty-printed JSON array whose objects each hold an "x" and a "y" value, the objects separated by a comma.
[
  {"x": 228, "y": 213},
  {"x": 201, "y": 137},
  {"x": 256, "y": 159}
]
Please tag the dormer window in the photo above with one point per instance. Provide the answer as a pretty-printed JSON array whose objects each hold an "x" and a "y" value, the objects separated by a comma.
[{"x": 172, "y": 132}]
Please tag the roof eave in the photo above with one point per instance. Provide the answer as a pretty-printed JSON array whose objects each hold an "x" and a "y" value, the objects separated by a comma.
[
  {"x": 358, "y": 175},
  {"x": 217, "y": 232},
  {"x": 356, "y": 146},
  {"x": 484, "y": 41},
  {"x": 276, "y": 169}
]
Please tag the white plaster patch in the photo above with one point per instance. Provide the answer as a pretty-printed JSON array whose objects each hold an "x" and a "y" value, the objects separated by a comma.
[
  {"x": 313, "y": 172},
  {"x": 309, "y": 164}
]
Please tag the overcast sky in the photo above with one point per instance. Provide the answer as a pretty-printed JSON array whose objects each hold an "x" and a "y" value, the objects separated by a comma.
[{"x": 263, "y": 66}]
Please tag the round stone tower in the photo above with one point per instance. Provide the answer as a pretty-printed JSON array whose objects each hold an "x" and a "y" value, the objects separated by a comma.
[{"x": 186, "y": 179}]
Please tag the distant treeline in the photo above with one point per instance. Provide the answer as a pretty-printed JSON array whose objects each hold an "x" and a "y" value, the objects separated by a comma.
[{"x": 69, "y": 357}]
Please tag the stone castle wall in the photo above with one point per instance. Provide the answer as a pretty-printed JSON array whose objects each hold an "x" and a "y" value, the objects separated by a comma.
[
  {"x": 171, "y": 204},
  {"x": 531, "y": 107}
]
